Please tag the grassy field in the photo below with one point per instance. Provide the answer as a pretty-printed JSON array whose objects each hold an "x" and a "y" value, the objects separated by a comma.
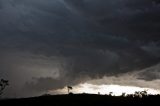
[{"x": 82, "y": 100}]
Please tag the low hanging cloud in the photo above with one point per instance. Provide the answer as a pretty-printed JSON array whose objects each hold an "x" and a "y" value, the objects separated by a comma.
[{"x": 139, "y": 80}]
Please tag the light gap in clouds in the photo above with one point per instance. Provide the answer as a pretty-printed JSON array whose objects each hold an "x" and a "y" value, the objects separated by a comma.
[{"x": 104, "y": 89}]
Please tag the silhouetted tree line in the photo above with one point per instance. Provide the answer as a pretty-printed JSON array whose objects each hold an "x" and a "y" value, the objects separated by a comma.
[{"x": 139, "y": 94}]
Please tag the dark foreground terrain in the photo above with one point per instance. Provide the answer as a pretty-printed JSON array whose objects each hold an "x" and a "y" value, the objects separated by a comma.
[{"x": 82, "y": 100}]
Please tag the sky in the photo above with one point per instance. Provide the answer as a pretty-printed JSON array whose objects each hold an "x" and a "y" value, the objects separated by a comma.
[{"x": 49, "y": 44}]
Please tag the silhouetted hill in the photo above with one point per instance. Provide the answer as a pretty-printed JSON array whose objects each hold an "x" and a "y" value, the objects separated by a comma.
[{"x": 82, "y": 100}]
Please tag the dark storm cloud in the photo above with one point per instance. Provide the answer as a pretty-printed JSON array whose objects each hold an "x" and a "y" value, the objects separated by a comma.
[
  {"x": 133, "y": 19},
  {"x": 151, "y": 73},
  {"x": 60, "y": 42}
]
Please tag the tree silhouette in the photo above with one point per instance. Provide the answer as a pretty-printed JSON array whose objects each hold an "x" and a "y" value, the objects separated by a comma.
[
  {"x": 144, "y": 93},
  {"x": 99, "y": 93},
  {"x": 123, "y": 94},
  {"x": 110, "y": 93},
  {"x": 3, "y": 84},
  {"x": 140, "y": 94},
  {"x": 69, "y": 88}
]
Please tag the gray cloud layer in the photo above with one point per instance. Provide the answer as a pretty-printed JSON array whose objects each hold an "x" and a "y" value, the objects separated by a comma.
[{"x": 48, "y": 44}]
